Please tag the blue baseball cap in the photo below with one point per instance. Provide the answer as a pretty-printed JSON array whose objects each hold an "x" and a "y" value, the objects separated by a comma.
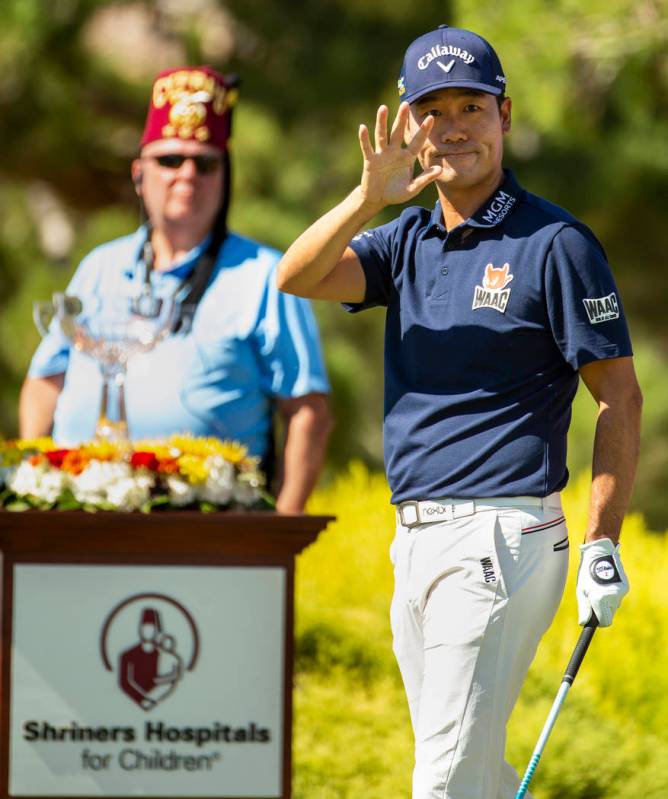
[{"x": 449, "y": 58}]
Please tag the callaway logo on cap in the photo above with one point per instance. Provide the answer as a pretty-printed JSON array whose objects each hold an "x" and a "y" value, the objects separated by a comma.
[{"x": 449, "y": 58}]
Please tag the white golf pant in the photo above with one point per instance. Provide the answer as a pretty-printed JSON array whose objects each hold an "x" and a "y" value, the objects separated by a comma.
[{"x": 473, "y": 597}]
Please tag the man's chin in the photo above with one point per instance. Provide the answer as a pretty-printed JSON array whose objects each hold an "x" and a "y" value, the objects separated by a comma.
[
  {"x": 185, "y": 217},
  {"x": 451, "y": 176},
  {"x": 180, "y": 210}
]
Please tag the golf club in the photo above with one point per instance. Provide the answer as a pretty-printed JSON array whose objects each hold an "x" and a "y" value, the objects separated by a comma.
[{"x": 569, "y": 675}]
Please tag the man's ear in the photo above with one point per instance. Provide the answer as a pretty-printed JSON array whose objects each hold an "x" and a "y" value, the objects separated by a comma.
[
  {"x": 506, "y": 114},
  {"x": 137, "y": 175}
]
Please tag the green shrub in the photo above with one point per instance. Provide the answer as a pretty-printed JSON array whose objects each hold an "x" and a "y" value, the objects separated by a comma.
[
  {"x": 649, "y": 495},
  {"x": 352, "y": 730}
]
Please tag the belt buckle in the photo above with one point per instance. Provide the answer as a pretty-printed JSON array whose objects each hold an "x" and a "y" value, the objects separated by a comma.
[
  {"x": 439, "y": 511},
  {"x": 413, "y": 504}
]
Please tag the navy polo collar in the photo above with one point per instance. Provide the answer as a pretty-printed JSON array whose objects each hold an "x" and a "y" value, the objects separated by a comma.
[
  {"x": 497, "y": 207},
  {"x": 493, "y": 211},
  {"x": 436, "y": 219}
]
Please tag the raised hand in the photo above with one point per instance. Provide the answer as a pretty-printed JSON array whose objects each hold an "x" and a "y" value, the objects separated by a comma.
[{"x": 387, "y": 176}]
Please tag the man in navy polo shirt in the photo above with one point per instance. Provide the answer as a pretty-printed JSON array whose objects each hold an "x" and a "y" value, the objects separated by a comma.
[{"x": 497, "y": 301}]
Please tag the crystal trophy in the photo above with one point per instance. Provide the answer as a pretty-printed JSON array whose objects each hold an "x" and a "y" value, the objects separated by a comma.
[{"x": 110, "y": 331}]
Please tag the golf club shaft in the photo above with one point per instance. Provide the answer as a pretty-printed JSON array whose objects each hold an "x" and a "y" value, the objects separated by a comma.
[{"x": 569, "y": 675}]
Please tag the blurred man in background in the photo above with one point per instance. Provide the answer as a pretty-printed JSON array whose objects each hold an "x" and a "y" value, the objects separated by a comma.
[
  {"x": 497, "y": 302},
  {"x": 238, "y": 350}
]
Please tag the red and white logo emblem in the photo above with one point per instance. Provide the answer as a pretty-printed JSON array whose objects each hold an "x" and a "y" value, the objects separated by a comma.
[
  {"x": 493, "y": 292},
  {"x": 150, "y": 640}
]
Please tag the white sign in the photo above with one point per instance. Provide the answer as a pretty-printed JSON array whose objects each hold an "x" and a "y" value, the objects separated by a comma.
[{"x": 147, "y": 681}]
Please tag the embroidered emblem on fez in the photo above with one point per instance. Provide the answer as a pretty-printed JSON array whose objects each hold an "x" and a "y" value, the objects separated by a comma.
[
  {"x": 187, "y": 117},
  {"x": 493, "y": 292},
  {"x": 192, "y": 95}
]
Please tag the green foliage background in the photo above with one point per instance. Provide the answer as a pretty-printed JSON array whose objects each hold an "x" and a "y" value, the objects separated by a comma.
[
  {"x": 589, "y": 81},
  {"x": 352, "y": 729}
]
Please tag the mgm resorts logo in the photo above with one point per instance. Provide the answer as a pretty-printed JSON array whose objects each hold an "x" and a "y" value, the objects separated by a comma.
[{"x": 150, "y": 640}]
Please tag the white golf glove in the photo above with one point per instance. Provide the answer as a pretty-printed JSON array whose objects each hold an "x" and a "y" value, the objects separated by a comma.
[{"x": 602, "y": 583}]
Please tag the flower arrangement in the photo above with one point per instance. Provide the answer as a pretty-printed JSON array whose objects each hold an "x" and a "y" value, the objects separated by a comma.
[{"x": 179, "y": 472}]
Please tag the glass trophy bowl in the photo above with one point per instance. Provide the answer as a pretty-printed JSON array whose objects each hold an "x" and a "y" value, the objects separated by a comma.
[{"x": 110, "y": 331}]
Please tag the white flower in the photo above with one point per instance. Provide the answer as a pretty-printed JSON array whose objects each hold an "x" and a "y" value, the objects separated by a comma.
[
  {"x": 128, "y": 493},
  {"x": 145, "y": 480},
  {"x": 180, "y": 491},
  {"x": 220, "y": 484},
  {"x": 39, "y": 481},
  {"x": 247, "y": 489},
  {"x": 27, "y": 478},
  {"x": 244, "y": 493},
  {"x": 52, "y": 485},
  {"x": 116, "y": 483},
  {"x": 90, "y": 487}
]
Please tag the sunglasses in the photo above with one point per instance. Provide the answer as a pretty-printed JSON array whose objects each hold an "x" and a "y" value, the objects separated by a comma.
[{"x": 204, "y": 164}]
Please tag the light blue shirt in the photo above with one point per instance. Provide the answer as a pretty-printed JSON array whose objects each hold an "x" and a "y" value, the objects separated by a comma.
[{"x": 249, "y": 343}]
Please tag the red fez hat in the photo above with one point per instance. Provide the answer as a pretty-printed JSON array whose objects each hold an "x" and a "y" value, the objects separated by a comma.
[
  {"x": 151, "y": 616},
  {"x": 191, "y": 103}
]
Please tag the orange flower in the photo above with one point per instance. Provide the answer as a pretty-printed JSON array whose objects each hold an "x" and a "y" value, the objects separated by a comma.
[
  {"x": 75, "y": 461},
  {"x": 35, "y": 460},
  {"x": 168, "y": 465}
]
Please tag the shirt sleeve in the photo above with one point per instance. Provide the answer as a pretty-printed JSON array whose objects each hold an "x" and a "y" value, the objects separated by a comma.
[
  {"x": 289, "y": 345},
  {"x": 583, "y": 304},
  {"x": 53, "y": 353},
  {"x": 374, "y": 250}
]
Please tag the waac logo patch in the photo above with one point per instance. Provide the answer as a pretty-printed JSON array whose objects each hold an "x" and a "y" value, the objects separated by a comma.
[
  {"x": 493, "y": 292},
  {"x": 602, "y": 309}
]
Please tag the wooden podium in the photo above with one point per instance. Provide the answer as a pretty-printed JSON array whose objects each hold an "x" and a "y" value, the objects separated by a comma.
[{"x": 148, "y": 655}]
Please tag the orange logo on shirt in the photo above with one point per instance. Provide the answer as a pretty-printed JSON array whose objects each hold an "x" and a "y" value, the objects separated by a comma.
[
  {"x": 496, "y": 278},
  {"x": 493, "y": 292}
]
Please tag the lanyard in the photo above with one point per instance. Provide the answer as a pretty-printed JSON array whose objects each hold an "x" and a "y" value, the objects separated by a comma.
[{"x": 186, "y": 296}]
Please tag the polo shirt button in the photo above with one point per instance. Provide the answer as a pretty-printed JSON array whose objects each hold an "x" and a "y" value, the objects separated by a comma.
[{"x": 444, "y": 270}]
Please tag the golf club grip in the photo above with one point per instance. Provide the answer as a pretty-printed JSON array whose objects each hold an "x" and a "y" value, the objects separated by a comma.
[
  {"x": 580, "y": 650},
  {"x": 531, "y": 768}
]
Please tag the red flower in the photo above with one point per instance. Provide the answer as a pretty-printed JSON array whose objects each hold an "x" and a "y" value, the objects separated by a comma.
[
  {"x": 144, "y": 460},
  {"x": 57, "y": 456}
]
